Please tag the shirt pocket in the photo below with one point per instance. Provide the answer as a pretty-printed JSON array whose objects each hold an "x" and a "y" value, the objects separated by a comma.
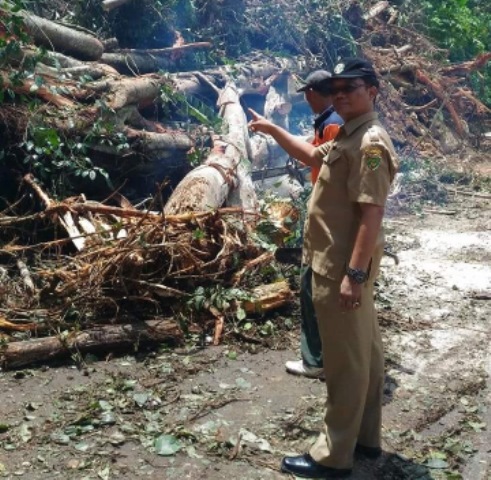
[{"x": 334, "y": 156}]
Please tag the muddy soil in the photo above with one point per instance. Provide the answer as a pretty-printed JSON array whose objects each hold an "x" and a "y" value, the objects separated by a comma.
[{"x": 231, "y": 412}]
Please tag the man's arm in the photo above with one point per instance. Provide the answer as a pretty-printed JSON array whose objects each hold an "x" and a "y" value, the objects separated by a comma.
[
  {"x": 299, "y": 149},
  {"x": 365, "y": 242}
]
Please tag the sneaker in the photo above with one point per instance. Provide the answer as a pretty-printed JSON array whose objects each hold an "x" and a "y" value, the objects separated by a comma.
[{"x": 297, "y": 367}]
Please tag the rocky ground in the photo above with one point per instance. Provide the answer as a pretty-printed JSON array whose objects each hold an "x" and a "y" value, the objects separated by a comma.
[{"x": 231, "y": 412}]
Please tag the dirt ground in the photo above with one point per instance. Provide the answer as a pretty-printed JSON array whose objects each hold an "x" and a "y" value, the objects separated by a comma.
[{"x": 231, "y": 412}]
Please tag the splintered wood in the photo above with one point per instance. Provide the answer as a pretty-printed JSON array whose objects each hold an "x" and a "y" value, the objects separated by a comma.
[{"x": 125, "y": 266}]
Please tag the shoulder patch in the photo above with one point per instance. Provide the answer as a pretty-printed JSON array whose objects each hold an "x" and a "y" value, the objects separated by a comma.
[{"x": 372, "y": 155}]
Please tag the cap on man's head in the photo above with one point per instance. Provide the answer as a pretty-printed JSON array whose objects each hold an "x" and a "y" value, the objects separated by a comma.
[
  {"x": 353, "y": 67},
  {"x": 316, "y": 81}
]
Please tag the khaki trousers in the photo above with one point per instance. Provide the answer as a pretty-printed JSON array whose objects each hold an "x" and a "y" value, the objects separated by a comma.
[{"x": 354, "y": 371}]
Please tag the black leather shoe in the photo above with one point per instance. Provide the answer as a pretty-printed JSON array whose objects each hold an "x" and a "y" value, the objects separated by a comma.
[
  {"x": 305, "y": 466},
  {"x": 369, "y": 452}
]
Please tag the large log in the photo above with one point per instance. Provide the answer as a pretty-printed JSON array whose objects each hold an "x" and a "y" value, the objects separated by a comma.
[
  {"x": 226, "y": 169},
  {"x": 104, "y": 338},
  {"x": 137, "y": 62},
  {"x": 268, "y": 297},
  {"x": 61, "y": 38},
  {"x": 170, "y": 141}
]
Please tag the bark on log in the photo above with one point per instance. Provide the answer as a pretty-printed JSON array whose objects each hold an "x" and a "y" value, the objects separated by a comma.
[
  {"x": 104, "y": 338},
  {"x": 141, "y": 91},
  {"x": 95, "y": 71},
  {"x": 109, "y": 5},
  {"x": 269, "y": 297},
  {"x": 138, "y": 62},
  {"x": 237, "y": 136},
  {"x": 465, "y": 68},
  {"x": 378, "y": 8},
  {"x": 207, "y": 186},
  {"x": 159, "y": 142},
  {"x": 439, "y": 92},
  {"x": 276, "y": 109},
  {"x": 62, "y": 39}
]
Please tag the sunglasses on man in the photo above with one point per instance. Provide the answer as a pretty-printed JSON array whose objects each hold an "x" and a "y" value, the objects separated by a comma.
[{"x": 347, "y": 89}]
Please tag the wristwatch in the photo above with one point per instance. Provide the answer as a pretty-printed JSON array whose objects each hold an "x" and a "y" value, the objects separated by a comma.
[{"x": 357, "y": 275}]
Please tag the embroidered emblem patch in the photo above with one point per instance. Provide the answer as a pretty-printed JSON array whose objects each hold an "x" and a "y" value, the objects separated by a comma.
[
  {"x": 339, "y": 68},
  {"x": 373, "y": 157}
]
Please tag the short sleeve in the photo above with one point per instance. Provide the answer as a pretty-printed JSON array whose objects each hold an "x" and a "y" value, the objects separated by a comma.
[{"x": 370, "y": 177}]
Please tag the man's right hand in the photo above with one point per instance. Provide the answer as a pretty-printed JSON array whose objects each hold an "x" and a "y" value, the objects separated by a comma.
[{"x": 259, "y": 123}]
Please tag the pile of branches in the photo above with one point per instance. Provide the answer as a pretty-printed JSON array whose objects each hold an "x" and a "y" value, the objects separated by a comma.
[
  {"x": 427, "y": 103},
  {"x": 131, "y": 273}
]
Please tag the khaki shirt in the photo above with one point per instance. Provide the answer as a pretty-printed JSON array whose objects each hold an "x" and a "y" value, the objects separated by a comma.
[{"x": 358, "y": 167}]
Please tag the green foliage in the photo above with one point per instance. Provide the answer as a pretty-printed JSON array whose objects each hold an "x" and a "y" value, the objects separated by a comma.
[
  {"x": 57, "y": 162},
  {"x": 190, "y": 107},
  {"x": 314, "y": 28},
  {"x": 222, "y": 299},
  {"x": 224, "y": 22},
  {"x": 481, "y": 84},
  {"x": 12, "y": 37},
  {"x": 461, "y": 26},
  {"x": 60, "y": 162},
  {"x": 137, "y": 24}
]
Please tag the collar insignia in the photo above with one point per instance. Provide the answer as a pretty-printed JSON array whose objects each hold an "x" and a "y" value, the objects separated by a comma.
[{"x": 339, "y": 68}]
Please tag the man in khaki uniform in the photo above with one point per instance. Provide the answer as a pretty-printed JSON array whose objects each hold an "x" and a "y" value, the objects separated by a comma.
[{"x": 343, "y": 244}]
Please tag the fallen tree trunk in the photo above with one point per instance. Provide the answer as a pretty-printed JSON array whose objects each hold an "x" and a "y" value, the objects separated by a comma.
[
  {"x": 209, "y": 185},
  {"x": 160, "y": 142},
  {"x": 137, "y": 62},
  {"x": 63, "y": 39},
  {"x": 104, "y": 338}
]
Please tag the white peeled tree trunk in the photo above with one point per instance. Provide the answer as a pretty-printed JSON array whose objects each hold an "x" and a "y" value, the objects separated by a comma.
[{"x": 224, "y": 178}]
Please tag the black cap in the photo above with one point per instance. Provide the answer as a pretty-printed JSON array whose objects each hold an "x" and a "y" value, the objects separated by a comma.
[
  {"x": 316, "y": 81},
  {"x": 353, "y": 67}
]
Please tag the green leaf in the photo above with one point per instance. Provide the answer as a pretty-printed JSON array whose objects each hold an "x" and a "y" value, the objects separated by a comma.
[
  {"x": 167, "y": 445},
  {"x": 140, "y": 398},
  {"x": 104, "y": 405},
  {"x": 436, "y": 463},
  {"x": 242, "y": 315},
  {"x": 25, "y": 433},
  {"x": 60, "y": 438},
  {"x": 108, "y": 418},
  {"x": 477, "y": 427}
]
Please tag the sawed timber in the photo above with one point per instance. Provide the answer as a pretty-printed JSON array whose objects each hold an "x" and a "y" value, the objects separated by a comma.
[{"x": 102, "y": 338}]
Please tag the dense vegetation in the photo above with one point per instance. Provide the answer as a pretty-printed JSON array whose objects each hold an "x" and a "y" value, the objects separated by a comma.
[{"x": 316, "y": 30}]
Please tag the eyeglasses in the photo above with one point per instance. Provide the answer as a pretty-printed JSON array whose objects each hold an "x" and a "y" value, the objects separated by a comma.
[{"x": 346, "y": 89}]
